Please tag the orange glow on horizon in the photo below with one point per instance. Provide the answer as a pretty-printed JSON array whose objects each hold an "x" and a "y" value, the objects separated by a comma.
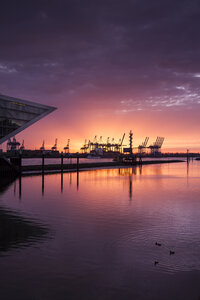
[{"x": 86, "y": 122}]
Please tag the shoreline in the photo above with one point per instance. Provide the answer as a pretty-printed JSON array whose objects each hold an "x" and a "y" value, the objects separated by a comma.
[{"x": 66, "y": 168}]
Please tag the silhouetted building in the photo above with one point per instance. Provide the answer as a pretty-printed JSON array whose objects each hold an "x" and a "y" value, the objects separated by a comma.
[{"x": 16, "y": 115}]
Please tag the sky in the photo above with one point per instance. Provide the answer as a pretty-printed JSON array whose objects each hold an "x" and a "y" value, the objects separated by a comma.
[{"x": 109, "y": 67}]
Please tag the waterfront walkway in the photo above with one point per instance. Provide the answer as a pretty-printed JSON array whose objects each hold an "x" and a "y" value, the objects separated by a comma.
[{"x": 57, "y": 168}]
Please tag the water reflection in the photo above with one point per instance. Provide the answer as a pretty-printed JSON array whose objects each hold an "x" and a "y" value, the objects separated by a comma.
[
  {"x": 5, "y": 183},
  {"x": 15, "y": 188},
  {"x": 15, "y": 230},
  {"x": 130, "y": 173},
  {"x": 70, "y": 180},
  {"x": 61, "y": 181},
  {"x": 42, "y": 183},
  {"x": 102, "y": 246},
  {"x": 20, "y": 186},
  {"x": 140, "y": 169},
  {"x": 18, "y": 232},
  {"x": 130, "y": 187},
  {"x": 122, "y": 172},
  {"x": 77, "y": 180}
]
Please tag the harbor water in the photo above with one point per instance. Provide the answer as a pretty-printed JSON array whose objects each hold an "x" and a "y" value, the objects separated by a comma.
[{"x": 93, "y": 234}]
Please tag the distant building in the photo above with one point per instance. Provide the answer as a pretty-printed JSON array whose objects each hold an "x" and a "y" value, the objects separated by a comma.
[{"x": 16, "y": 115}]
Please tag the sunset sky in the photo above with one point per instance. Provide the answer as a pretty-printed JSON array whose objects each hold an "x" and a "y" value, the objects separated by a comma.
[{"x": 108, "y": 66}]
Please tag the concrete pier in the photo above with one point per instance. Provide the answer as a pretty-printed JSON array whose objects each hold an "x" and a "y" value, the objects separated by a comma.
[{"x": 51, "y": 168}]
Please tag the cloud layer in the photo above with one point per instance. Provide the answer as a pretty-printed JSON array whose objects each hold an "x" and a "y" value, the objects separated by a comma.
[{"x": 105, "y": 57}]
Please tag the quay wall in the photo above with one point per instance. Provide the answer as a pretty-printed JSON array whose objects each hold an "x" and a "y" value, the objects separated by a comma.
[{"x": 75, "y": 167}]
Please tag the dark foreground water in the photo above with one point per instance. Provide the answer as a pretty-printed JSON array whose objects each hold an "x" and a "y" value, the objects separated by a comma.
[{"x": 93, "y": 236}]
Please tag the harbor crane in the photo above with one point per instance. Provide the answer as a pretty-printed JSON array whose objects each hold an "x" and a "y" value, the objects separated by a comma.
[
  {"x": 85, "y": 147},
  {"x": 66, "y": 148},
  {"x": 42, "y": 148},
  {"x": 110, "y": 145},
  {"x": 122, "y": 139},
  {"x": 143, "y": 146},
  {"x": 155, "y": 148},
  {"x": 118, "y": 147},
  {"x": 22, "y": 146},
  {"x": 101, "y": 140},
  {"x": 12, "y": 145},
  {"x": 54, "y": 148}
]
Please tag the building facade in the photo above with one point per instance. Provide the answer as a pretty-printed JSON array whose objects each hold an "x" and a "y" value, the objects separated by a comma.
[{"x": 16, "y": 115}]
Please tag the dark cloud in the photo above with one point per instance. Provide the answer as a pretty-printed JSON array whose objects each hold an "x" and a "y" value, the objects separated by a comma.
[{"x": 100, "y": 49}]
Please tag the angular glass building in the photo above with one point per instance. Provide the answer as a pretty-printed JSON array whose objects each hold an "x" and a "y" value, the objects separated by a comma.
[{"x": 16, "y": 115}]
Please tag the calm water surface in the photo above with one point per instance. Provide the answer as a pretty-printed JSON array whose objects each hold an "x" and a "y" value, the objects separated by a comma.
[{"x": 92, "y": 236}]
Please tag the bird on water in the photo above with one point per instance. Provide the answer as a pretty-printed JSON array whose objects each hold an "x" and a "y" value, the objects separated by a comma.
[{"x": 158, "y": 244}]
